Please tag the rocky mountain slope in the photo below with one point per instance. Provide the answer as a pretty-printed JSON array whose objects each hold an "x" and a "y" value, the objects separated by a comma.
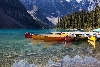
[
  {"x": 14, "y": 15},
  {"x": 58, "y": 8},
  {"x": 86, "y": 5},
  {"x": 49, "y": 8},
  {"x": 38, "y": 13}
]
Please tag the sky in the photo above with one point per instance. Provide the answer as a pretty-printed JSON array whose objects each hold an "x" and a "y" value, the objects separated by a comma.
[{"x": 76, "y": 0}]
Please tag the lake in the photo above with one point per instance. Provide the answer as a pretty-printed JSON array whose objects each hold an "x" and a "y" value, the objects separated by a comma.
[{"x": 17, "y": 51}]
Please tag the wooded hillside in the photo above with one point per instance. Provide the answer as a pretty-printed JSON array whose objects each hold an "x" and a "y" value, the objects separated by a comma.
[{"x": 81, "y": 19}]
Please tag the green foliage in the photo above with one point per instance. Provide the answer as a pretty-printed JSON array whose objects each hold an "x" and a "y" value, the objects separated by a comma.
[{"x": 81, "y": 19}]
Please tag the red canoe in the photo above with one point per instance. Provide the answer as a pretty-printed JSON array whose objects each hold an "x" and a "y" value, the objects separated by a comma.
[{"x": 28, "y": 35}]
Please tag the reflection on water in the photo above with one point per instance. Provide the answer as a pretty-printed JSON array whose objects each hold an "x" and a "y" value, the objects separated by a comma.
[{"x": 15, "y": 50}]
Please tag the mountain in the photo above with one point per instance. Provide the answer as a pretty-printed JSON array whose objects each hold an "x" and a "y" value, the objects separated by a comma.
[
  {"x": 86, "y": 5},
  {"x": 75, "y": 5},
  {"x": 36, "y": 11},
  {"x": 92, "y": 4},
  {"x": 8, "y": 22},
  {"x": 53, "y": 9},
  {"x": 14, "y": 15}
]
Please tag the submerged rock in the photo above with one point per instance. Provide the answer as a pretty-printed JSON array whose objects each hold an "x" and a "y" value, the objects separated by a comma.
[{"x": 22, "y": 63}]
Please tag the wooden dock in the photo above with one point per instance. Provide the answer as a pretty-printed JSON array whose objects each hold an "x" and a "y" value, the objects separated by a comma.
[{"x": 76, "y": 33}]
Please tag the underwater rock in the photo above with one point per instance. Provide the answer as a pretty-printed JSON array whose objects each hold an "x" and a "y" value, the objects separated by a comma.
[{"x": 22, "y": 63}]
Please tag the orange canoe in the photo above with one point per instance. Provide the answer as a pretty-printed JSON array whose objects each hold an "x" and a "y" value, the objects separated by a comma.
[
  {"x": 52, "y": 37},
  {"x": 57, "y": 38},
  {"x": 37, "y": 37}
]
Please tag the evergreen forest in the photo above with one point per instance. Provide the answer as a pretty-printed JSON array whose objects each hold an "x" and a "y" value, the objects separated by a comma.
[{"x": 81, "y": 20}]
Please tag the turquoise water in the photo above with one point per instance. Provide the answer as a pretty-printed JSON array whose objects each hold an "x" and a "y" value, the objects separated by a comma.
[{"x": 17, "y": 51}]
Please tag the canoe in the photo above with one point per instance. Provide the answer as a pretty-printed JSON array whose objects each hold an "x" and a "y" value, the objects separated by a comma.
[
  {"x": 57, "y": 38},
  {"x": 52, "y": 38},
  {"x": 37, "y": 37},
  {"x": 41, "y": 36},
  {"x": 28, "y": 35}
]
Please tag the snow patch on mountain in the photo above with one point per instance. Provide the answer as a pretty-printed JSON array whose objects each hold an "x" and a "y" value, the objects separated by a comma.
[
  {"x": 74, "y": 0},
  {"x": 53, "y": 19},
  {"x": 92, "y": 5}
]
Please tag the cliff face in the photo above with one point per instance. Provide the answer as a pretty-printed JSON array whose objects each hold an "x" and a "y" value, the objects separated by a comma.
[{"x": 15, "y": 15}]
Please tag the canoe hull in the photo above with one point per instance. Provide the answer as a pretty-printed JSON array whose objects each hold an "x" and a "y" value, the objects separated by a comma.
[
  {"x": 28, "y": 35},
  {"x": 37, "y": 37},
  {"x": 50, "y": 38}
]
